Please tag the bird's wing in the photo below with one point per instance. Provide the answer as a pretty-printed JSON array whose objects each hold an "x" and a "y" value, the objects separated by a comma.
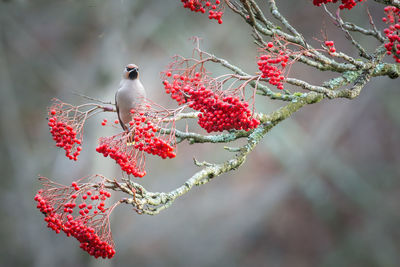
[{"x": 119, "y": 118}]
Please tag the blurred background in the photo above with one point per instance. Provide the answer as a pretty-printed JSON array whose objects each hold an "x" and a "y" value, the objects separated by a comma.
[{"x": 322, "y": 189}]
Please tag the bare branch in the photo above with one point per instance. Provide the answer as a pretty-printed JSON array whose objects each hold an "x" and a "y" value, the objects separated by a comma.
[
  {"x": 93, "y": 99},
  {"x": 283, "y": 20}
]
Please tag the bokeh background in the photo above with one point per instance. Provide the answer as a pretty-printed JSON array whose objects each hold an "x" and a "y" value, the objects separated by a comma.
[{"x": 322, "y": 189}]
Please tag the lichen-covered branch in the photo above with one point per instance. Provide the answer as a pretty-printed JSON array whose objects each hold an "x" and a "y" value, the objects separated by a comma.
[{"x": 200, "y": 138}]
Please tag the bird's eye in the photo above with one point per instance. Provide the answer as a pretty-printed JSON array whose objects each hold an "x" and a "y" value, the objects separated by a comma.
[{"x": 128, "y": 68}]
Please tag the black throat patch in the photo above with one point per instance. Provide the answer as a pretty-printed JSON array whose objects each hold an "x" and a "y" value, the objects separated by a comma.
[{"x": 133, "y": 74}]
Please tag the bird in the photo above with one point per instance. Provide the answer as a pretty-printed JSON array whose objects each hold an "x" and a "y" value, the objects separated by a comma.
[{"x": 130, "y": 96}]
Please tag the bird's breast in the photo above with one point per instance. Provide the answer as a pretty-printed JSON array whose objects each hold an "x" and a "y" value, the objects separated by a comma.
[{"x": 130, "y": 95}]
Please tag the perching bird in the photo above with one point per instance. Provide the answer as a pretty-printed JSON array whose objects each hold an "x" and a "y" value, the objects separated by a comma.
[{"x": 130, "y": 95}]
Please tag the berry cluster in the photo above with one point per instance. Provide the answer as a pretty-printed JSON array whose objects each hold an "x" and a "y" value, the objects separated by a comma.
[
  {"x": 219, "y": 112},
  {"x": 331, "y": 46},
  {"x": 52, "y": 218},
  {"x": 66, "y": 123},
  {"x": 127, "y": 148},
  {"x": 64, "y": 135},
  {"x": 144, "y": 136},
  {"x": 272, "y": 65},
  {"x": 116, "y": 147},
  {"x": 393, "y": 32},
  {"x": 348, "y": 4},
  {"x": 179, "y": 85},
  {"x": 89, "y": 240},
  {"x": 66, "y": 208},
  {"x": 214, "y": 9},
  {"x": 223, "y": 114}
]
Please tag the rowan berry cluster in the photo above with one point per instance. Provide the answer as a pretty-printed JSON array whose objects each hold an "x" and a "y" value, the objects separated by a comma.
[
  {"x": 52, "y": 219},
  {"x": 331, "y": 46},
  {"x": 272, "y": 64},
  {"x": 79, "y": 211},
  {"x": 119, "y": 149},
  {"x": 88, "y": 238},
  {"x": 222, "y": 113},
  {"x": 348, "y": 4},
  {"x": 393, "y": 32},
  {"x": 145, "y": 139},
  {"x": 214, "y": 9},
  {"x": 127, "y": 148},
  {"x": 219, "y": 111},
  {"x": 64, "y": 135}
]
